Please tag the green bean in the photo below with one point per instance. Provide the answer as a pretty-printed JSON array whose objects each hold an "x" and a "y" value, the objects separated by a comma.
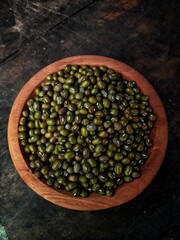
[
  {"x": 126, "y": 160},
  {"x": 50, "y": 148},
  {"x": 76, "y": 192},
  {"x": 84, "y": 193},
  {"x": 128, "y": 170},
  {"x": 69, "y": 155},
  {"x": 56, "y": 165},
  {"x": 103, "y": 177},
  {"x": 128, "y": 179},
  {"x": 109, "y": 192},
  {"x": 44, "y": 169},
  {"x": 118, "y": 168},
  {"x": 118, "y": 157},
  {"x": 98, "y": 121},
  {"x": 86, "y": 167}
]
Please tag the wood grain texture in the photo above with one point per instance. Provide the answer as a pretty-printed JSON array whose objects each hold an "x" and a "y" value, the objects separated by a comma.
[{"x": 94, "y": 202}]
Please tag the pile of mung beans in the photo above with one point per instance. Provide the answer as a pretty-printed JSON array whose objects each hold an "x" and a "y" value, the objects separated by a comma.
[{"x": 86, "y": 129}]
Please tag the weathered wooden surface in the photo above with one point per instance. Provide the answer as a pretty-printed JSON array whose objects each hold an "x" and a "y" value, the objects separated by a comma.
[{"x": 143, "y": 34}]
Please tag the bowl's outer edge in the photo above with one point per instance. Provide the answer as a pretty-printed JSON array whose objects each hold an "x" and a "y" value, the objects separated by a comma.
[{"x": 94, "y": 202}]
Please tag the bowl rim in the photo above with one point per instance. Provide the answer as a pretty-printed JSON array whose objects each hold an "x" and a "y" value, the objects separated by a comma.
[{"x": 124, "y": 193}]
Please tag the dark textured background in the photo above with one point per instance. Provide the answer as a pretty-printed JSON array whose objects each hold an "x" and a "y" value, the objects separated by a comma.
[{"x": 143, "y": 34}]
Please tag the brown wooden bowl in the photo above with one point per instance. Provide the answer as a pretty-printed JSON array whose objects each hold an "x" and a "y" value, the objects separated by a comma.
[{"x": 95, "y": 201}]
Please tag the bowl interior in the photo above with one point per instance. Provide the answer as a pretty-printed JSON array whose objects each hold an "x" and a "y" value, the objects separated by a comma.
[{"x": 95, "y": 201}]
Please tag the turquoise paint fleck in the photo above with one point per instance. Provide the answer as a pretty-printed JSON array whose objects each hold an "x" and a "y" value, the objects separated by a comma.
[{"x": 3, "y": 235}]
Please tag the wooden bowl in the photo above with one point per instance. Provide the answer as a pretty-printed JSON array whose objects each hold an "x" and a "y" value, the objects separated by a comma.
[{"x": 95, "y": 201}]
